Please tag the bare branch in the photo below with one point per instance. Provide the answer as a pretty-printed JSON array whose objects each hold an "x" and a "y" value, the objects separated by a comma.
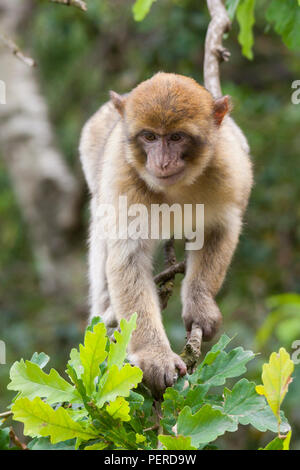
[
  {"x": 170, "y": 273},
  {"x": 14, "y": 438},
  {"x": 192, "y": 349},
  {"x": 16, "y": 50},
  {"x": 76, "y": 3},
  {"x": 165, "y": 279},
  {"x": 169, "y": 250},
  {"x": 214, "y": 50},
  {"x": 6, "y": 414}
]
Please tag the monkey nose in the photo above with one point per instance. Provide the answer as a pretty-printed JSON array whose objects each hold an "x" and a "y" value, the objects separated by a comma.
[{"x": 165, "y": 164}]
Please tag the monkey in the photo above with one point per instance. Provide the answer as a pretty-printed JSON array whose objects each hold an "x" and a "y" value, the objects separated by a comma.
[{"x": 168, "y": 141}]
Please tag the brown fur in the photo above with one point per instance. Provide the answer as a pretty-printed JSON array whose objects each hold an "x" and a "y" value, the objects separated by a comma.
[{"x": 217, "y": 174}]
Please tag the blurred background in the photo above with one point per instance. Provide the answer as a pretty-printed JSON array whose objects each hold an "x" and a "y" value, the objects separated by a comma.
[{"x": 44, "y": 201}]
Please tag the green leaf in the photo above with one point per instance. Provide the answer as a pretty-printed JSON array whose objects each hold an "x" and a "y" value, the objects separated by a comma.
[
  {"x": 117, "y": 350},
  {"x": 29, "y": 379},
  {"x": 41, "y": 359},
  {"x": 41, "y": 420},
  {"x": 43, "y": 443},
  {"x": 243, "y": 399},
  {"x": 97, "y": 446},
  {"x": 196, "y": 396},
  {"x": 276, "y": 444},
  {"x": 231, "y": 6},
  {"x": 119, "y": 409},
  {"x": 264, "y": 420},
  {"x": 139, "y": 438},
  {"x": 214, "y": 352},
  {"x": 92, "y": 354},
  {"x": 285, "y": 15},
  {"x": 276, "y": 377},
  {"x": 117, "y": 383},
  {"x": 287, "y": 440},
  {"x": 176, "y": 442},
  {"x": 94, "y": 322},
  {"x": 226, "y": 365},
  {"x": 75, "y": 363},
  {"x": 204, "y": 426},
  {"x": 141, "y": 9},
  {"x": 135, "y": 400},
  {"x": 171, "y": 406},
  {"x": 279, "y": 443},
  {"x": 246, "y": 20},
  {"x": 4, "y": 439}
]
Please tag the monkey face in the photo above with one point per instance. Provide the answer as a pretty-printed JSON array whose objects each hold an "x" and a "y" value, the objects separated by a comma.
[
  {"x": 164, "y": 155},
  {"x": 171, "y": 123},
  {"x": 165, "y": 159}
]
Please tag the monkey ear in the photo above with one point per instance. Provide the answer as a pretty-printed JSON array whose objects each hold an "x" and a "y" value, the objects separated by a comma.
[
  {"x": 118, "y": 101},
  {"x": 221, "y": 107}
]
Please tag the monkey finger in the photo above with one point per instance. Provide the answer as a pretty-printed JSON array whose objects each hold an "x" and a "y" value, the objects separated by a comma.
[
  {"x": 170, "y": 378},
  {"x": 181, "y": 367},
  {"x": 156, "y": 382},
  {"x": 189, "y": 322}
]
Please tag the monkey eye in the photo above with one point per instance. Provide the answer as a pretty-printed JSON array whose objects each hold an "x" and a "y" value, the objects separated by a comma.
[
  {"x": 149, "y": 136},
  {"x": 175, "y": 137}
]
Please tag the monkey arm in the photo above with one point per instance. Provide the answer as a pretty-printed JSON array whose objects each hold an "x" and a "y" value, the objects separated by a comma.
[
  {"x": 205, "y": 272},
  {"x": 132, "y": 289}
]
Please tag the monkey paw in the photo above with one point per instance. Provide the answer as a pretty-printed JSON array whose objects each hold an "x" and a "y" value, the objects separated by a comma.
[
  {"x": 161, "y": 368},
  {"x": 204, "y": 314}
]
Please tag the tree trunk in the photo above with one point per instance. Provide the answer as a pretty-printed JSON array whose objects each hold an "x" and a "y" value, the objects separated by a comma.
[{"x": 46, "y": 190}]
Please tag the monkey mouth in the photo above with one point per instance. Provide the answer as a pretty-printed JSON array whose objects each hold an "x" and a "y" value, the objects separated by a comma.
[{"x": 170, "y": 179}]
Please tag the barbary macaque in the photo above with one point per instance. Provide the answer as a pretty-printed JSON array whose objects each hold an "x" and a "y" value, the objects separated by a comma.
[{"x": 170, "y": 142}]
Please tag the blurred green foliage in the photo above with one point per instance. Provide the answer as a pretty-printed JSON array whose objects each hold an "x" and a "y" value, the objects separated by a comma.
[{"x": 81, "y": 56}]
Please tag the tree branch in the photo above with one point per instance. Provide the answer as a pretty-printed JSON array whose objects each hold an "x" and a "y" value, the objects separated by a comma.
[
  {"x": 16, "y": 50},
  {"x": 214, "y": 50},
  {"x": 76, "y": 3},
  {"x": 165, "y": 279},
  {"x": 15, "y": 440},
  {"x": 6, "y": 414},
  {"x": 170, "y": 273}
]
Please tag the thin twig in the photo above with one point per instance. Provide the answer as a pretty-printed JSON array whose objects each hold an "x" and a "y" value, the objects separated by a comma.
[
  {"x": 152, "y": 428},
  {"x": 6, "y": 414},
  {"x": 158, "y": 414},
  {"x": 14, "y": 438},
  {"x": 165, "y": 279},
  {"x": 192, "y": 349},
  {"x": 169, "y": 252},
  {"x": 76, "y": 3},
  {"x": 170, "y": 273},
  {"x": 16, "y": 50},
  {"x": 214, "y": 50}
]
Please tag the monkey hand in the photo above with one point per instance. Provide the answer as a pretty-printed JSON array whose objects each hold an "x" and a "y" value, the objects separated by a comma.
[
  {"x": 205, "y": 314},
  {"x": 161, "y": 367}
]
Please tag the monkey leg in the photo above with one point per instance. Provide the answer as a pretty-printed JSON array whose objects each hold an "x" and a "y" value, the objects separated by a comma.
[
  {"x": 99, "y": 295},
  {"x": 205, "y": 272}
]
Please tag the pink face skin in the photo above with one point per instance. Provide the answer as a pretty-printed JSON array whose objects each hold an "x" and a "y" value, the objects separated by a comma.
[{"x": 165, "y": 155}]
